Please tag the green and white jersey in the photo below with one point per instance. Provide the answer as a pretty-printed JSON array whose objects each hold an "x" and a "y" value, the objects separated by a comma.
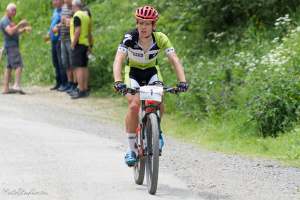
[{"x": 139, "y": 58}]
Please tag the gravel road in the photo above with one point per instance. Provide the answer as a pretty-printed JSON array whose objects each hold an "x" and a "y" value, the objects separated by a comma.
[{"x": 55, "y": 148}]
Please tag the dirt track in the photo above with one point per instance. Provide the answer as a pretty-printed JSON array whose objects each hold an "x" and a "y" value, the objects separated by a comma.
[{"x": 48, "y": 123}]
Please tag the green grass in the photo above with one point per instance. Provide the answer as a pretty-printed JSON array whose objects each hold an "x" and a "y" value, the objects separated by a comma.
[{"x": 224, "y": 136}]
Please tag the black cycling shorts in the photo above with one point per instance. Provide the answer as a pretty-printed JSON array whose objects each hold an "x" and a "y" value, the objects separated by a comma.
[{"x": 142, "y": 76}]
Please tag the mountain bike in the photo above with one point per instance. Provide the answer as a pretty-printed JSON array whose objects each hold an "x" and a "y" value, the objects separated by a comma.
[{"x": 148, "y": 133}]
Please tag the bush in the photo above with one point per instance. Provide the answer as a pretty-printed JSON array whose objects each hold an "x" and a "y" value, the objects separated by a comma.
[
  {"x": 275, "y": 87},
  {"x": 276, "y": 108},
  {"x": 219, "y": 15}
]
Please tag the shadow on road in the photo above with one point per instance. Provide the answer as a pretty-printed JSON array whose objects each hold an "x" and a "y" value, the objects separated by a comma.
[{"x": 167, "y": 192}]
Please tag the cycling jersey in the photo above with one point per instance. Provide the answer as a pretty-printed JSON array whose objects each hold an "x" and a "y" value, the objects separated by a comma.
[
  {"x": 142, "y": 66},
  {"x": 137, "y": 57}
]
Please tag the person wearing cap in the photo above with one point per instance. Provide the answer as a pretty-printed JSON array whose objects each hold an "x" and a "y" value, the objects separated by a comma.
[
  {"x": 11, "y": 32},
  {"x": 81, "y": 42}
]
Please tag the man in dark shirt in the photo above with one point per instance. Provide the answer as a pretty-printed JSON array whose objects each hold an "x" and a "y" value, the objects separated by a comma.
[{"x": 11, "y": 33}]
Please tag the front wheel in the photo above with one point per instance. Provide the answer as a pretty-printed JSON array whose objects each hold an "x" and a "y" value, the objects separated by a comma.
[
  {"x": 152, "y": 157},
  {"x": 139, "y": 168}
]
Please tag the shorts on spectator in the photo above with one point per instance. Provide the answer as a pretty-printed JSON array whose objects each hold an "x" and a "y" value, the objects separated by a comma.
[
  {"x": 80, "y": 56},
  {"x": 14, "y": 58}
]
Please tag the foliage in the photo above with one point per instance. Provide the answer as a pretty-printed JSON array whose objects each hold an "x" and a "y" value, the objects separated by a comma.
[{"x": 240, "y": 56}]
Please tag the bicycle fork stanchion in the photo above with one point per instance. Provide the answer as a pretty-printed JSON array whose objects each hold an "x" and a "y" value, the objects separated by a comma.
[
  {"x": 1, "y": 53},
  {"x": 139, "y": 168}
]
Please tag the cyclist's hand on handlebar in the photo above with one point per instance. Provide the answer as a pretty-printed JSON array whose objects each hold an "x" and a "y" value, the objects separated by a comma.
[
  {"x": 182, "y": 86},
  {"x": 120, "y": 87}
]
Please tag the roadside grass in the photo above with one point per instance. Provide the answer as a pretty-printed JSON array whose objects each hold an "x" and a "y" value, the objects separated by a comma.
[{"x": 225, "y": 136}]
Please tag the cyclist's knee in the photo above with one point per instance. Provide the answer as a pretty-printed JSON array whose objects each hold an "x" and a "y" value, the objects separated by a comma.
[{"x": 134, "y": 107}]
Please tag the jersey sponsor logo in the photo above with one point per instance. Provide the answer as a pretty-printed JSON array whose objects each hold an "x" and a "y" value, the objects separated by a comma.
[
  {"x": 151, "y": 56},
  {"x": 169, "y": 50},
  {"x": 138, "y": 54},
  {"x": 122, "y": 49},
  {"x": 127, "y": 37}
]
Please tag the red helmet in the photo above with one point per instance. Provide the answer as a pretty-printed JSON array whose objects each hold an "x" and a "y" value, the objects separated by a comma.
[{"x": 147, "y": 13}]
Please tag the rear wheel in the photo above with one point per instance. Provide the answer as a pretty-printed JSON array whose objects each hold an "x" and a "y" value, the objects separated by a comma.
[{"x": 152, "y": 158}]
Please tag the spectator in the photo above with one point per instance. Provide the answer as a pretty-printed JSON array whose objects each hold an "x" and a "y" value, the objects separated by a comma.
[
  {"x": 11, "y": 32},
  {"x": 60, "y": 73},
  {"x": 66, "y": 15},
  {"x": 81, "y": 42}
]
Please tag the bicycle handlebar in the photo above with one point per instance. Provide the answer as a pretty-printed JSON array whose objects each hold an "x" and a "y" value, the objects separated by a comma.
[{"x": 172, "y": 90}]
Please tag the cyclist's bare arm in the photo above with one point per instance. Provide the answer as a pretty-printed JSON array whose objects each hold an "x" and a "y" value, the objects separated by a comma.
[
  {"x": 175, "y": 62},
  {"x": 119, "y": 60}
]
